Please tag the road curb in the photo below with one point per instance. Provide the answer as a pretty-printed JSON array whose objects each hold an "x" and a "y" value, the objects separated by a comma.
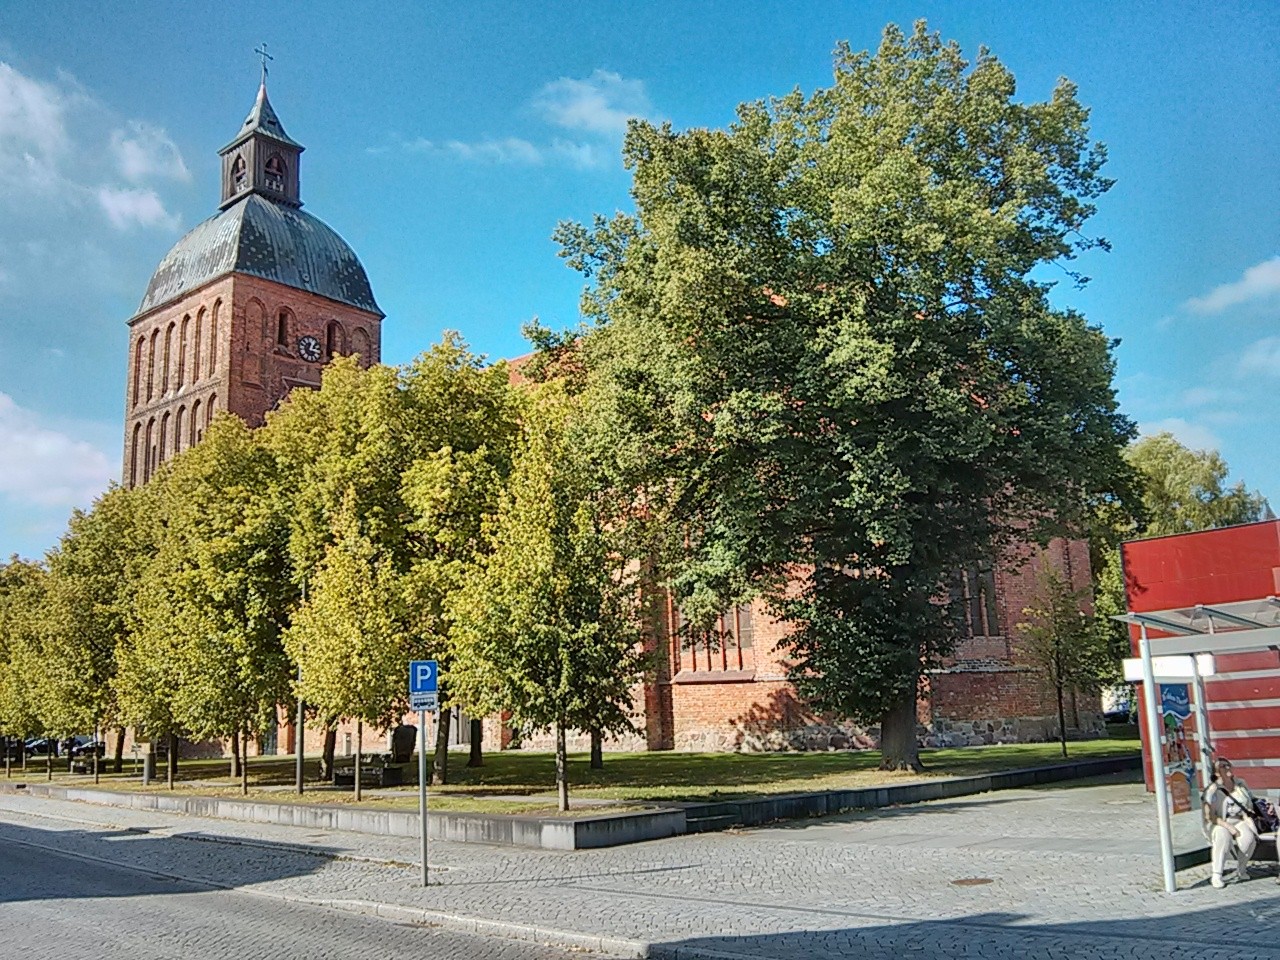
[{"x": 591, "y": 831}]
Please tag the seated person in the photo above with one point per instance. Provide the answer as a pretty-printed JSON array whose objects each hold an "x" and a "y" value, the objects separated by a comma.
[{"x": 1229, "y": 803}]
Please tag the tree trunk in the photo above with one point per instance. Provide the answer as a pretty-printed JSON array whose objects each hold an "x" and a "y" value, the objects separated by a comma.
[
  {"x": 48, "y": 754},
  {"x": 440, "y": 765},
  {"x": 562, "y": 769},
  {"x": 899, "y": 749},
  {"x": 477, "y": 736},
  {"x": 117, "y": 755},
  {"x": 244, "y": 762},
  {"x": 597, "y": 750},
  {"x": 97, "y": 736},
  {"x": 235, "y": 754},
  {"x": 359, "y": 750},
  {"x": 1062, "y": 722},
  {"x": 330, "y": 747},
  {"x": 171, "y": 761}
]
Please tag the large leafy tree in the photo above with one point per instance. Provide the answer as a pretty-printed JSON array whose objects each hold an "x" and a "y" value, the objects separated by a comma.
[
  {"x": 346, "y": 439},
  {"x": 461, "y": 429},
  {"x": 218, "y": 592},
  {"x": 348, "y": 635},
  {"x": 92, "y": 572},
  {"x": 1183, "y": 490},
  {"x": 22, "y": 589},
  {"x": 821, "y": 344},
  {"x": 547, "y": 626}
]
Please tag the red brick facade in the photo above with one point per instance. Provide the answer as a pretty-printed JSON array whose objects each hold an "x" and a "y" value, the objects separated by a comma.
[
  {"x": 735, "y": 695},
  {"x": 229, "y": 345}
]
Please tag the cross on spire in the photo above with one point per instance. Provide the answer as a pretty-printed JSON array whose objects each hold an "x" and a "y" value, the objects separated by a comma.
[{"x": 261, "y": 51}]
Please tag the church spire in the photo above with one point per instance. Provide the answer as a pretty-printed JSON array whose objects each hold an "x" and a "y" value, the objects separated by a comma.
[{"x": 262, "y": 158}]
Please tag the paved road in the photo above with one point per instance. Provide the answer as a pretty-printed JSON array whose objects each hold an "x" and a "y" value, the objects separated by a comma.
[
  {"x": 59, "y": 907},
  {"x": 1067, "y": 871}
]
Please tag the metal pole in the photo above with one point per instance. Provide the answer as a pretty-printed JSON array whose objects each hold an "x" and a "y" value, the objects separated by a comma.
[
  {"x": 1155, "y": 740},
  {"x": 299, "y": 737},
  {"x": 422, "y": 788},
  {"x": 1202, "y": 725}
]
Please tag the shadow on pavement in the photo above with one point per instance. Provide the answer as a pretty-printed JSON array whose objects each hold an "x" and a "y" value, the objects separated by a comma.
[
  {"x": 1234, "y": 929},
  {"x": 57, "y": 864}
]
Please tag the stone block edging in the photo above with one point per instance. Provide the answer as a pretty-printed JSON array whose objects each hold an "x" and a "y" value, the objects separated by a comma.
[{"x": 606, "y": 830}]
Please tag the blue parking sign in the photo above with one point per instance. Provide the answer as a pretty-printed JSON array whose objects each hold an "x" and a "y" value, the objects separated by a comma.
[{"x": 423, "y": 676}]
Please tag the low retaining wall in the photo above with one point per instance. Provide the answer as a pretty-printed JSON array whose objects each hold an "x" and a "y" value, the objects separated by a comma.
[{"x": 581, "y": 833}]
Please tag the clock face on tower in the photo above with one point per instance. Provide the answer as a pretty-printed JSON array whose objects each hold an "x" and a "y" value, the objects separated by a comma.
[{"x": 309, "y": 349}]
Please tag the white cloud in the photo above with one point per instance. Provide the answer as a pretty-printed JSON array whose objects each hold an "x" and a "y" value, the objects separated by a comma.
[
  {"x": 1260, "y": 282},
  {"x": 601, "y": 104},
  {"x": 1192, "y": 435},
  {"x": 135, "y": 207},
  {"x": 509, "y": 150},
  {"x": 63, "y": 153},
  {"x": 32, "y": 115},
  {"x": 1261, "y": 357},
  {"x": 43, "y": 467},
  {"x": 598, "y": 108},
  {"x": 1204, "y": 396},
  {"x": 143, "y": 151}
]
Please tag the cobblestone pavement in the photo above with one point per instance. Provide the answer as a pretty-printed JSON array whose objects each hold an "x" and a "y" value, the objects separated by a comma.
[
  {"x": 1060, "y": 871},
  {"x": 53, "y": 907}
]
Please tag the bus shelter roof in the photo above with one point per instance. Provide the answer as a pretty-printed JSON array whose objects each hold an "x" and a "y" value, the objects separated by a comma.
[{"x": 1212, "y": 628}]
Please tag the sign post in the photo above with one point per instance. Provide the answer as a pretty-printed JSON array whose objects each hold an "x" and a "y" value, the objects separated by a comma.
[{"x": 424, "y": 678}]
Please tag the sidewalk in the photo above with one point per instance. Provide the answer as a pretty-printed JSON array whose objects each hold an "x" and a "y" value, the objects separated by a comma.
[{"x": 1070, "y": 871}]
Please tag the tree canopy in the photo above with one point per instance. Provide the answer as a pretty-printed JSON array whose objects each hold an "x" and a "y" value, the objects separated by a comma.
[{"x": 822, "y": 344}]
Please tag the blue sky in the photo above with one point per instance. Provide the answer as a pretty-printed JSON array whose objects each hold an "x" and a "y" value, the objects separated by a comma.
[{"x": 445, "y": 142}]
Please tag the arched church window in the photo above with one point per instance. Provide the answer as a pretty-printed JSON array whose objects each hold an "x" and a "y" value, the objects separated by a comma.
[
  {"x": 148, "y": 466},
  {"x": 360, "y": 345},
  {"x": 164, "y": 436},
  {"x": 151, "y": 364},
  {"x": 334, "y": 340},
  {"x": 213, "y": 337},
  {"x": 213, "y": 406},
  {"x": 195, "y": 355},
  {"x": 197, "y": 425},
  {"x": 182, "y": 350},
  {"x": 168, "y": 358},
  {"x": 238, "y": 174},
  {"x": 282, "y": 329},
  {"x": 275, "y": 172},
  {"x": 137, "y": 370},
  {"x": 133, "y": 454}
]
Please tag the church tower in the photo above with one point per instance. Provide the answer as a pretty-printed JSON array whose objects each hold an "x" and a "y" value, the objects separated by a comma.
[{"x": 248, "y": 305}]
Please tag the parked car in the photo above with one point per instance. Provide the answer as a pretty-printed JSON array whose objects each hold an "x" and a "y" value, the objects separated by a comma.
[
  {"x": 42, "y": 746},
  {"x": 88, "y": 746}
]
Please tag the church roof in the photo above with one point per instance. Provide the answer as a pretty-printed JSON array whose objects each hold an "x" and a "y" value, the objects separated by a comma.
[
  {"x": 262, "y": 119},
  {"x": 258, "y": 237}
]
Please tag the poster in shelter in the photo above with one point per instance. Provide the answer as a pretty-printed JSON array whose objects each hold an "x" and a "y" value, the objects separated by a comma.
[{"x": 1179, "y": 768}]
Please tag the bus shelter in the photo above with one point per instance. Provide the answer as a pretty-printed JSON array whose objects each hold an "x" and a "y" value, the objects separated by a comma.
[{"x": 1184, "y": 647}]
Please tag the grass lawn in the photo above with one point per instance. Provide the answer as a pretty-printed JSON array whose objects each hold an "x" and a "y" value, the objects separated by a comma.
[{"x": 627, "y": 780}]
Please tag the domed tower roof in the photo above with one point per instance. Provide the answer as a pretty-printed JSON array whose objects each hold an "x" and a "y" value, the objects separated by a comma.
[
  {"x": 263, "y": 239},
  {"x": 261, "y": 229}
]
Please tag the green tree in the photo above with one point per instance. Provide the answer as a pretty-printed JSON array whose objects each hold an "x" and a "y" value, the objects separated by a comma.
[
  {"x": 216, "y": 596},
  {"x": 461, "y": 430},
  {"x": 348, "y": 634},
  {"x": 547, "y": 627},
  {"x": 819, "y": 346},
  {"x": 21, "y": 599},
  {"x": 91, "y": 575},
  {"x": 1062, "y": 642},
  {"x": 1185, "y": 490},
  {"x": 348, "y": 437}
]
